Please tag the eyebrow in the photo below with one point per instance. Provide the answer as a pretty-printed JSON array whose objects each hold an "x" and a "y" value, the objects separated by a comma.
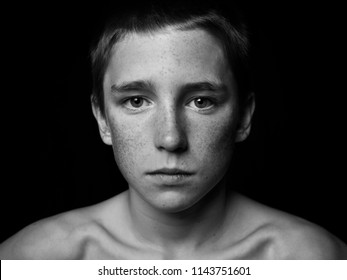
[
  {"x": 131, "y": 86},
  {"x": 203, "y": 86},
  {"x": 144, "y": 85}
]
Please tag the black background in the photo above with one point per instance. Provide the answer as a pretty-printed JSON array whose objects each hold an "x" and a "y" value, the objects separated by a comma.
[{"x": 53, "y": 158}]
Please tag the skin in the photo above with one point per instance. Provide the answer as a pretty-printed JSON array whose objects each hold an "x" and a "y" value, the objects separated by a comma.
[
  {"x": 171, "y": 102},
  {"x": 169, "y": 130}
]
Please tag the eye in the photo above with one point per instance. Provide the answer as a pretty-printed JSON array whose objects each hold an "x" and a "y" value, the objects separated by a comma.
[
  {"x": 136, "y": 102},
  {"x": 201, "y": 103}
]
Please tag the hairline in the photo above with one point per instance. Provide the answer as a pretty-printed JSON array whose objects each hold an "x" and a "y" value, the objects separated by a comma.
[{"x": 166, "y": 29}]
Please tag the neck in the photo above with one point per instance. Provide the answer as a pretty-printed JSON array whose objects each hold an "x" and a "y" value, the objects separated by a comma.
[{"x": 189, "y": 229}]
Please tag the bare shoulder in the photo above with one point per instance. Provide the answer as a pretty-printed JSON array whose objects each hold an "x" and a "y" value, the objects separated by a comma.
[
  {"x": 300, "y": 239},
  {"x": 58, "y": 237},
  {"x": 50, "y": 238},
  {"x": 290, "y": 237}
]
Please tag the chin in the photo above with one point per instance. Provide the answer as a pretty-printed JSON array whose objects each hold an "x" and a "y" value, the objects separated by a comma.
[{"x": 174, "y": 203}]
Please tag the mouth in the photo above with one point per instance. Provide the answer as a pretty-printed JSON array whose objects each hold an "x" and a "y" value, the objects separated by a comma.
[
  {"x": 170, "y": 171},
  {"x": 170, "y": 176}
]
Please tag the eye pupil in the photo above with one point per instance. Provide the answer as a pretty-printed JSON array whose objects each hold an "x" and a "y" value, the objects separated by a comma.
[
  {"x": 136, "y": 102},
  {"x": 200, "y": 102}
]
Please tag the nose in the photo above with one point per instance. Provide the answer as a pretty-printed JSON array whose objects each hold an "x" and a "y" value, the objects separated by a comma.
[{"x": 170, "y": 131}]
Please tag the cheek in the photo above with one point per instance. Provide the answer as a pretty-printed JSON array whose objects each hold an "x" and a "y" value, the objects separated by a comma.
[
  {"x": 128, "y": 145},
  {"x": 214, "y": 142}
]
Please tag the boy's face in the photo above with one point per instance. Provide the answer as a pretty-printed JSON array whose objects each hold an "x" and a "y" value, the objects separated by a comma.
[{"x": 171, "y": 115}]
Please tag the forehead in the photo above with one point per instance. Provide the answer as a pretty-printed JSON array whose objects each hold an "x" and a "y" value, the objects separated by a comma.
[{"x": 168, "y": 55}]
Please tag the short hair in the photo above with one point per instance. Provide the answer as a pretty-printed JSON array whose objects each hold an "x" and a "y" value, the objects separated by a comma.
[{"x": 228, "y": 26}]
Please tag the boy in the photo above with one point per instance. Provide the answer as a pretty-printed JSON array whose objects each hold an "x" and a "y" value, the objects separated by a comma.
[{"x": 172, "y": 96}]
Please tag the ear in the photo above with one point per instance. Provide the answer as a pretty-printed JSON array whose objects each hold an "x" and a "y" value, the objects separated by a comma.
[
  {"x": 245, "y": 121},
  {"x": 104, "y": 129}
]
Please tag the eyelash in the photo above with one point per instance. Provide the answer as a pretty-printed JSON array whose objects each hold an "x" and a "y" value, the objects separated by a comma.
[
  {"x": 211, "y": 103},
  {"x": 132, "y": 108}
]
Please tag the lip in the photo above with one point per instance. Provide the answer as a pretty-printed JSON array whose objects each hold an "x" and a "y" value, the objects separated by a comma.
[
  {"x": 170, "y": 176},
  {"x": 170, "y": 171}
]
